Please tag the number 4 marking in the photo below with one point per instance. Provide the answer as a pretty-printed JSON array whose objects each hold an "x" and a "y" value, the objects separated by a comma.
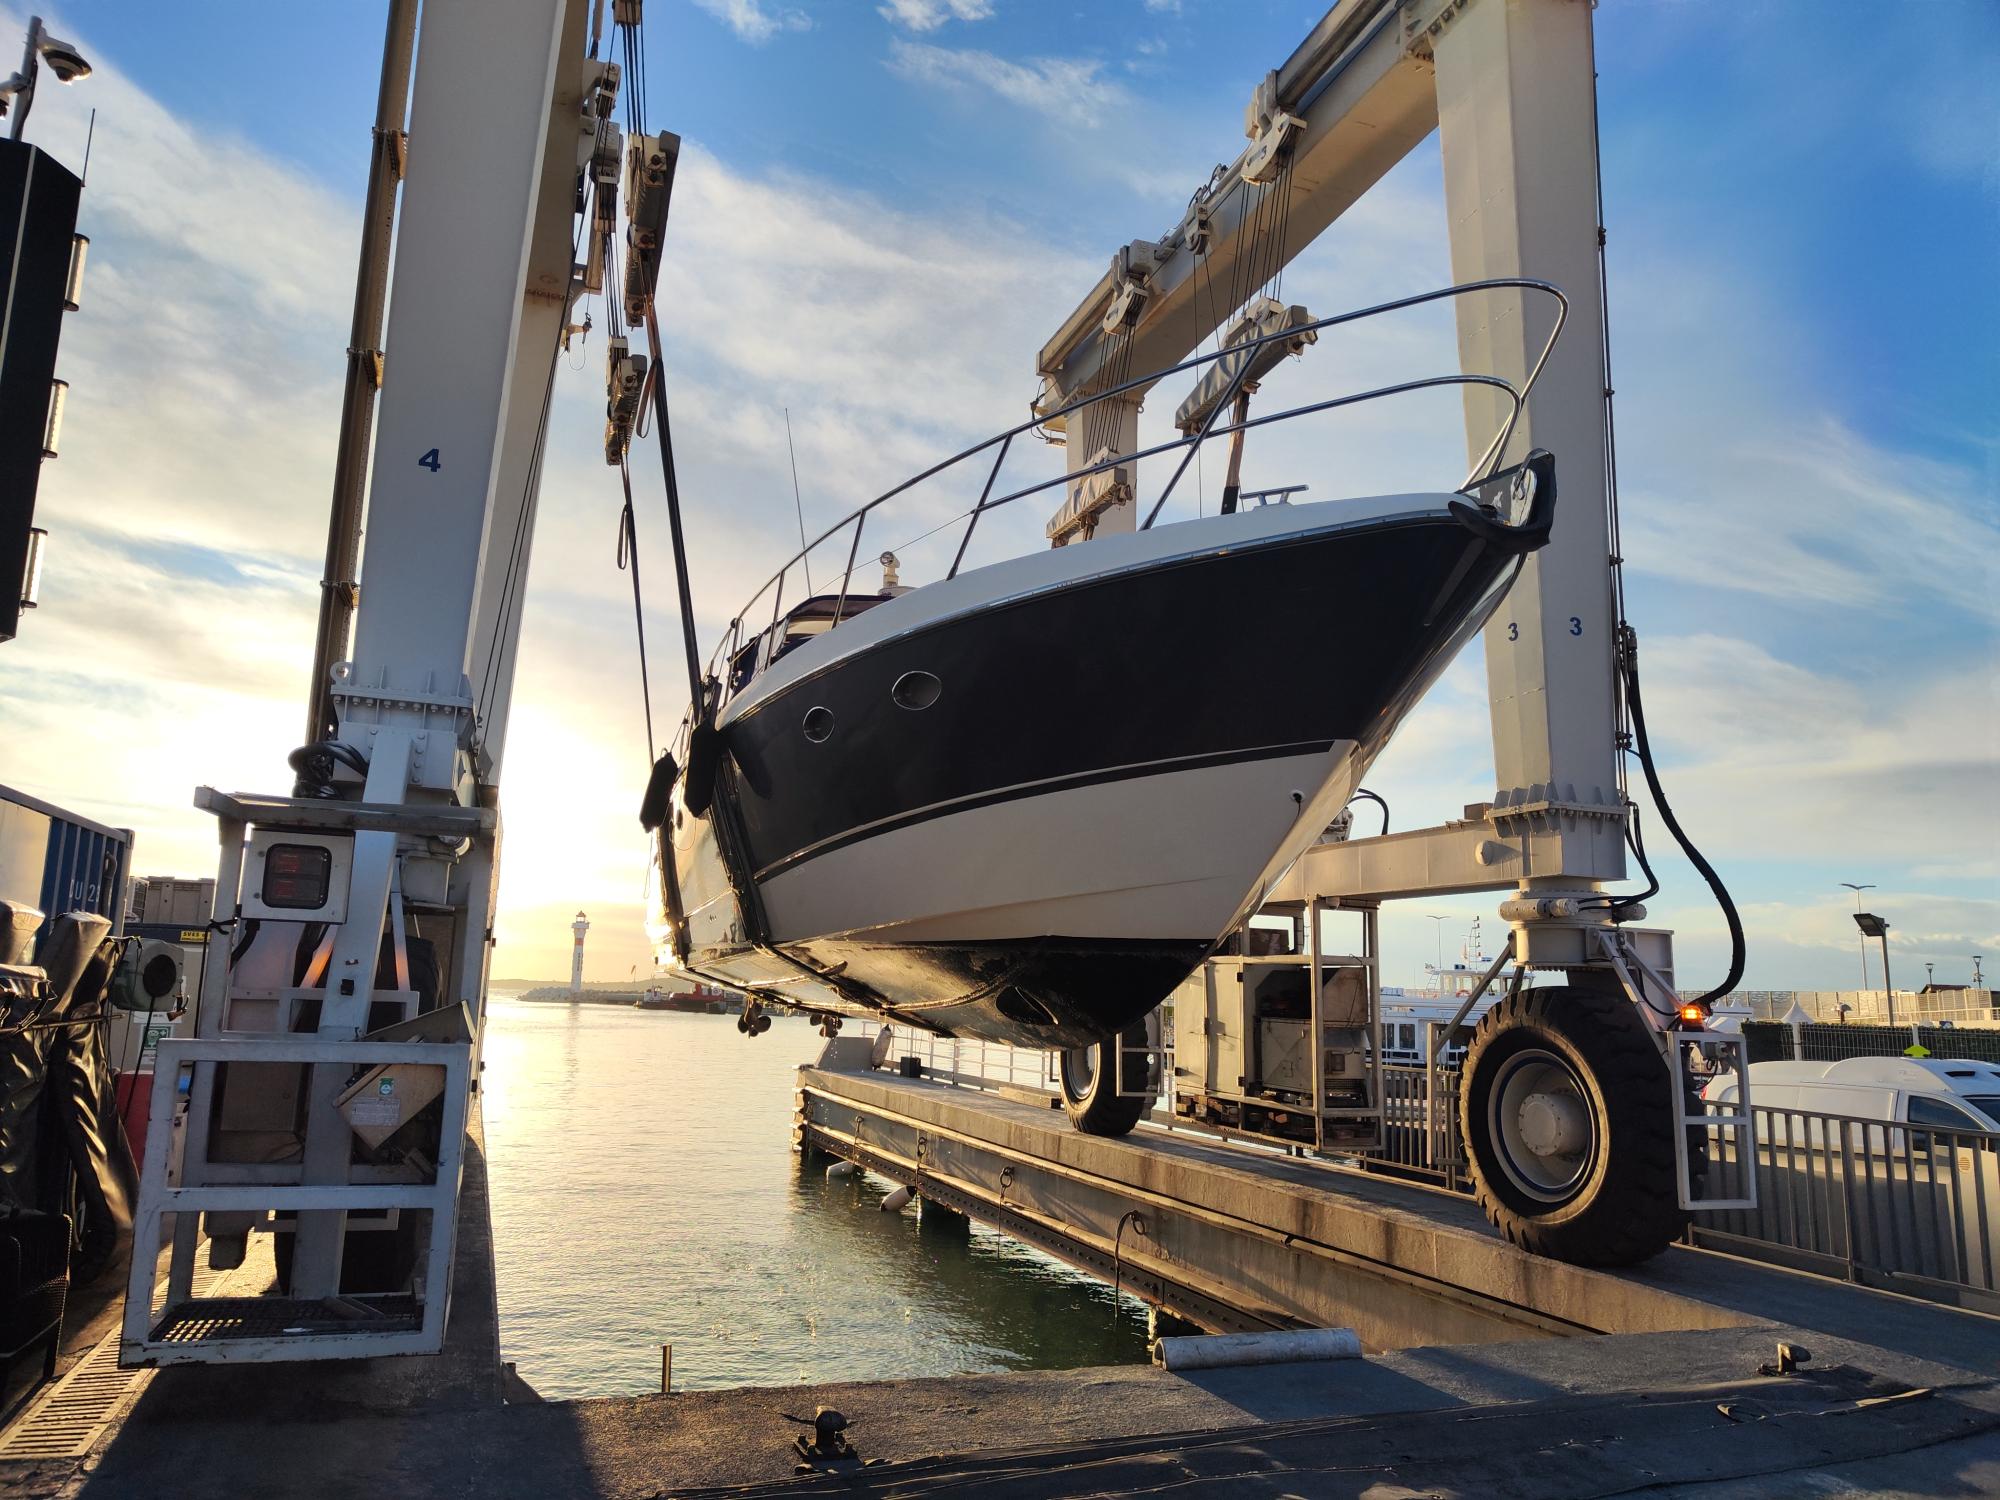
[{"x": 430, "y": 461}]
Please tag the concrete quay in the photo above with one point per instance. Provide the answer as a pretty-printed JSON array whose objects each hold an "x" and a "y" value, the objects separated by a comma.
[{"x": 1567, "y": 1382}]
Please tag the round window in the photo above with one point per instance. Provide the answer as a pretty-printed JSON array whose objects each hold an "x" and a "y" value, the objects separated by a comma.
[
  {"x": 818, "y": 724},
  {"x": 916, "y": 690}
]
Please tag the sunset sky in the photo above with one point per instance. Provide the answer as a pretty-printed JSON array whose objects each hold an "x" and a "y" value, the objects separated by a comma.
[{"x": 883, "y": 211}]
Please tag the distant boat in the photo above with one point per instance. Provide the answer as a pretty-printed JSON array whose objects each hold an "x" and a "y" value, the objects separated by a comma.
[{"x": 698, "y": 1001}]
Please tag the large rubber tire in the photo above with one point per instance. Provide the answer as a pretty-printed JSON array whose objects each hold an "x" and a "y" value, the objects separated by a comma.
[
  {"x": 1089, "y": 1094},
  {"x": 1567, "y": 1119}
]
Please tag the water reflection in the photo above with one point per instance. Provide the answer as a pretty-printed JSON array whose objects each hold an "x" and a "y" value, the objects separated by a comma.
[{"x": 644, "y": 1192}]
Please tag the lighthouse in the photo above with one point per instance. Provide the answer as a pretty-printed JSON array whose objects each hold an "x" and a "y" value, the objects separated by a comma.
[{"x": 580, "y": 926}]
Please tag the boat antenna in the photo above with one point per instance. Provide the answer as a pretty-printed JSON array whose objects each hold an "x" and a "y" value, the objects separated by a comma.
[{"x": 798, "y": 505}]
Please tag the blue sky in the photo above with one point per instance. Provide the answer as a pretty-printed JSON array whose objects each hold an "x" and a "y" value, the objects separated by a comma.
[{"x": 885, "y": 210}]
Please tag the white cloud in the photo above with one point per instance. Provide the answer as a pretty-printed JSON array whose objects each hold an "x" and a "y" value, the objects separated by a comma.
[
  {"x": 1164, "y": 7},
  {"x": 929, "y": 15},
  {"x": 1070, "y": 90},
  {"x": 1820, "y": 515},
  {"x": 755, "y": 22}
]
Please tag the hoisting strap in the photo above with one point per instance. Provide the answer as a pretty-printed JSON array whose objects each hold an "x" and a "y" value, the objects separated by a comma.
[
  {"x": 663, "y": 429},
  {"x": 628, "y": 554}
]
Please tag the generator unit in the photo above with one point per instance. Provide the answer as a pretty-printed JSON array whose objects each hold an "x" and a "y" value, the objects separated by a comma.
[{"x": 1258, "y": 1051}]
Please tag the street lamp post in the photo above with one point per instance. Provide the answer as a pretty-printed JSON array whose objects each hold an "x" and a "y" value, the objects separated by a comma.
[
  {"x": 18, "y": 92},
  {"x": 1858, "y": 889},
  {"x": 1873, "y": 926}
]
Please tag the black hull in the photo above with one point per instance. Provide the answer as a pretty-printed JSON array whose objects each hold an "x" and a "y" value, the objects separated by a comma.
[{"x": 1185, "y": 663}]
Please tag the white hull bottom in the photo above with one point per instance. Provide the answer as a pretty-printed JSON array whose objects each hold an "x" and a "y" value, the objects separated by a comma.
[{"x": 908, "y": 913}]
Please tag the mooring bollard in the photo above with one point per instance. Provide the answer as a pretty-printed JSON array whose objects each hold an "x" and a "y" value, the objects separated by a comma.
[{"x": 666, "y": 1369}]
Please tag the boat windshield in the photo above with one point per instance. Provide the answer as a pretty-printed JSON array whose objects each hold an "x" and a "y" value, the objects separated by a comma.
[{"x": 814, "y": 616}]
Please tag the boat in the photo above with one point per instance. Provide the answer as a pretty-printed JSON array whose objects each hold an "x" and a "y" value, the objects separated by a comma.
[
  {"x": 1023, "y": 801},
  {"x": 697, "y": 1001}
]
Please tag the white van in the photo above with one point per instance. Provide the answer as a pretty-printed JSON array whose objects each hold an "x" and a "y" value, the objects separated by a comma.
[{"x": 1946, "y": 1094}]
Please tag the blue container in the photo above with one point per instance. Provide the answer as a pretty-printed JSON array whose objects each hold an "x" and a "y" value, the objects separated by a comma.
[{"x": 56, "y": 861}]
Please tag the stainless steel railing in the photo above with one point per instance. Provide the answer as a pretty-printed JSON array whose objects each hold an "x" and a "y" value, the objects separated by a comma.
[{"x": 740, "y": 633}]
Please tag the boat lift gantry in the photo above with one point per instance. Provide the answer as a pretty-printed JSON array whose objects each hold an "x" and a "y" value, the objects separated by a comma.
[
  {"x": 1510, "y": 88},
  {"x": 329, "y": 1083}
]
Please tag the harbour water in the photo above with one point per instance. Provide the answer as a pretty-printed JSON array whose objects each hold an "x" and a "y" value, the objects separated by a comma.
[{"x": 645, "y": 1192}]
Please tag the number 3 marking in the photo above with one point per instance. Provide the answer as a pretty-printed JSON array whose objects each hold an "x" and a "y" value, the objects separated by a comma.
[
  {"x": 1513, "y": 631},
  {"x": 430, "y": 461},
  {"x": 1575, "y": 625}
]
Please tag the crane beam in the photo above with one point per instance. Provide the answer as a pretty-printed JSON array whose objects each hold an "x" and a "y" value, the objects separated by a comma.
[{"x": 1366, "y": 101}]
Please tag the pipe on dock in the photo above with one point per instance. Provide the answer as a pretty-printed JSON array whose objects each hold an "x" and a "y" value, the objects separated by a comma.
[{"x": 1214, "y": 1351}]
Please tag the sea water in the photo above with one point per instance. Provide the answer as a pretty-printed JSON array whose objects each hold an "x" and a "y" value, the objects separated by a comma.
[{"x": 645, "y": 1192}]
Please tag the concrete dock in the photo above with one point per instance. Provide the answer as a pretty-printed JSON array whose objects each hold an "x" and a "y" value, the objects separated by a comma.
[{"x": 1496, "y": 1374}]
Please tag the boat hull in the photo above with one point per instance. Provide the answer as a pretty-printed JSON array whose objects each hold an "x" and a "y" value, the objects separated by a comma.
[{"x": 1106, "y": 772}]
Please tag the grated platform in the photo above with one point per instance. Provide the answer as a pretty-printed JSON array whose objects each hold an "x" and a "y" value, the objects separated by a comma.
[{"x": 284, "y": 1317}]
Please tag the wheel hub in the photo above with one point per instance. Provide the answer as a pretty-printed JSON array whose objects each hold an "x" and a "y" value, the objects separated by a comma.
[
  {"x": 1543, "y": 1131},
  {"x": 1554, "y": 1125}
]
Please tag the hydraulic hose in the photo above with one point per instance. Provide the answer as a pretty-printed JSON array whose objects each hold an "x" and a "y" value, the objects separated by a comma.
[
  {"x": 1629, "y": 653},
  {"x": 1362, "y": 794}
]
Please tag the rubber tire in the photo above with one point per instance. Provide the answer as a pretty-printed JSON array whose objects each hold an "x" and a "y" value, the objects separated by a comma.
[
  {"x": 1626, "y": 1209},
  {"x": 1099, "y": 1109}
]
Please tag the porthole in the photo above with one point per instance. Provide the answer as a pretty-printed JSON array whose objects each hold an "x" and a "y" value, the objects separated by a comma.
[
  {"x": 818, "y": 724},
  {"x": 916, "y": 690}
]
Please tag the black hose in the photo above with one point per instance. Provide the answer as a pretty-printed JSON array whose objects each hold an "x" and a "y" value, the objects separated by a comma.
[
  {"x": 1630, "y": 643},
  {"x": 1362, "y": 794}
]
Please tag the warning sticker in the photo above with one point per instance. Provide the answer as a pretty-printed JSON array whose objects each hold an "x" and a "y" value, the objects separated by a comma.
[{"x": 375, "y": 1109}]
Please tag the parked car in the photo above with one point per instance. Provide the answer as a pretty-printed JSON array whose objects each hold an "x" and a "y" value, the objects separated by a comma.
[{"x": 1943, "y": 1093}]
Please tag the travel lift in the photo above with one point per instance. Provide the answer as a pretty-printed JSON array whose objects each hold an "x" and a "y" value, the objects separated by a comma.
[
  {"x": 1579, "y": 1117},
  {"x": 328, "y": 1081}
]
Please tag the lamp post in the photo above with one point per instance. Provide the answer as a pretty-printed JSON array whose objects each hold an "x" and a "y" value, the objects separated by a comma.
[
  {"x": 1873, "y": 926},
  {"x": 18, "y": 92},
  {"x": 1858, "y": 889}
]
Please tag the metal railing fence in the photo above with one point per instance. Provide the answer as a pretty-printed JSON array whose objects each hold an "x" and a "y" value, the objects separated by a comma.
[
  {"x": 1420, "y": 1131},
  {"x": 1911, "y": 1209},
  {"x": 1829, "y": 1042},
  {"x": 1906, "y": 1208},
  {"x": 966, "y": 1061},
  {"x": 1965, "y": 1005}
]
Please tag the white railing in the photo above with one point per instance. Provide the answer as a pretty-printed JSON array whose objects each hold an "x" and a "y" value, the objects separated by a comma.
[
  {"x": 966, "y": 1061},
  {"x": 1961, "y": 1007},
  {"x": 1908, "y": 1208}
]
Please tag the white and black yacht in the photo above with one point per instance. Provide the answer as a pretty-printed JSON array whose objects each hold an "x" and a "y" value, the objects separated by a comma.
[{"x": 1022, "y": 802}]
